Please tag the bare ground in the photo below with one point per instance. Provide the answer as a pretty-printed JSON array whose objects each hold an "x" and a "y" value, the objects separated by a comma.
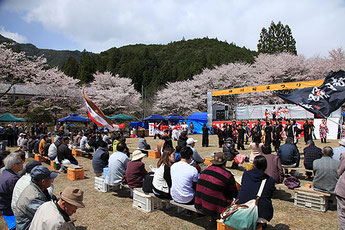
[{"x": 114, "y": 210}]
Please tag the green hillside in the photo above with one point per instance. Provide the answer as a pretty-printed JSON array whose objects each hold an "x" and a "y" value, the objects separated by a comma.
[{"x": 150, "y": 66}]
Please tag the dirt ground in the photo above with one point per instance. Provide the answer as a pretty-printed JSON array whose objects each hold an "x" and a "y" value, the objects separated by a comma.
[{"x": 114, "y": 210}]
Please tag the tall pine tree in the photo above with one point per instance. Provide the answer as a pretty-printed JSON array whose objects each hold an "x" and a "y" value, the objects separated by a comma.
[{"x": 278, "y": 38}]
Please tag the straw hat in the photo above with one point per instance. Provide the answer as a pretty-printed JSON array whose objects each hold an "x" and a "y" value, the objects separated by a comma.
[
  {"x": 219, "y": 158},
  {"x": 137, "y": 155}
]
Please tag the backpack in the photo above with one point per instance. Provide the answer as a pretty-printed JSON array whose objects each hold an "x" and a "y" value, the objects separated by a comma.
[{"x": 147, "y": 182}]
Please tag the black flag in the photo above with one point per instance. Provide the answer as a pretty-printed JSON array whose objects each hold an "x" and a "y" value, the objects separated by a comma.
[{"x": 322, "y": 100}]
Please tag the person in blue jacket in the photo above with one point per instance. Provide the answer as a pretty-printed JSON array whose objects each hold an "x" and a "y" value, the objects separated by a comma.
[{"x": 251, "y": 181}]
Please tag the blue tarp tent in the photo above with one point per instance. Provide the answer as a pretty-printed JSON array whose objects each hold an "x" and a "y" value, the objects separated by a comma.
[
  {"x": 198, "y": 119},
  {"x": 174, "y": 117},
  {"x": 154, "y": 117},
  {"x": 74, "y": 117}
]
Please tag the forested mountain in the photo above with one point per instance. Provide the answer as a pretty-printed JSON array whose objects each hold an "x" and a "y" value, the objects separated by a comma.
[
  {"x": 150, "y": 66},
  {"x": 54, "y": 57}
]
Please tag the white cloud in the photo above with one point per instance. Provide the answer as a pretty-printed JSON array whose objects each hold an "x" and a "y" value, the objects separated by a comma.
[
  {"x": 317, "y": 25},
  {"x": 14, "y": 36}
]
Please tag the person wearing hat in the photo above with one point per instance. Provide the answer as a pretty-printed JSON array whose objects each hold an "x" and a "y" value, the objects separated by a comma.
[
  {"x": 339, "y": 150},
  {"x": 64, "y": 154},
  {"x": 33, "y": 196},
  {"x": 216, "y": 187},
  {"x": 136, "y": 171},
  {"x": 197, "y": 159},
  {"x": 56, "y": 214}
]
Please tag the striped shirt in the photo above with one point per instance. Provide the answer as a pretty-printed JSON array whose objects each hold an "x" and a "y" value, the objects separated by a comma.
[{"x": 215, "y": 190}]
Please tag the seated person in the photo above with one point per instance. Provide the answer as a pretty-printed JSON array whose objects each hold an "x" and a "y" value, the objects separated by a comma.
[
  {"x": 230, "y": 151},
  {"x": 117, "y": 139},
  {"x": 325, "y": 172},
  {"x": 339, "y": 150},
  {"x": 197, "y": 159},
  {"x": 52, "y": 151},
  {"x": 100, "y": 158},
  {"x": 162, "y": 178},
  {"x": 56, "y": 214},
  {"x": 255, "y": 147},
  {"x": 216, "y": 187},
  {"x": 182, "y": 139},
  {"x": 8, "y": 179},
  {"x": 42, "y": 144},
  {"x": 274, "y": 167},
  {"x": 184, "y": 178},
  {"x": 33, "y": 196},
  {"x": 251, "y": 181},
  {"x": 289, "y": 154},
  {"x": 311, "y": 153},
  {"x": 117, "y": 165},
  {"x": 142, "y": 142},
  {"x": 136, "y": 171},
  {"x": 64, "y": 154},
  {"x": 84, "y": 146}
]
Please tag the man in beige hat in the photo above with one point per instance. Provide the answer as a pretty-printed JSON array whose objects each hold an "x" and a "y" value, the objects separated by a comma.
[
  {"x": 339, "y": 150},
  {"x": 136, "y": 171},
  {"x": 56, "y": 214}
]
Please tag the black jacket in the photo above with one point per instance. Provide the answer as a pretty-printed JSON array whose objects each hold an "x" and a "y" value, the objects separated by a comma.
[{"x": 63, "y": 152}]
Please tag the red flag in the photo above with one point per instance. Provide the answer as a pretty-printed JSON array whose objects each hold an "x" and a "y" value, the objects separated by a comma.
[{"x": 97, "y": 116}]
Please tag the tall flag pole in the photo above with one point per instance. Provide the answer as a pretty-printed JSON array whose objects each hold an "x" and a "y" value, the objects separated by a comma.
[
  {"x": 321, "y": 100},
  {"x": 97, "y": 116}
]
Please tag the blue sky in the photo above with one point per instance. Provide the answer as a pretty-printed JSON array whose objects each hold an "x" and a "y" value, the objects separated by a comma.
[{"x": 97, "y": 25}]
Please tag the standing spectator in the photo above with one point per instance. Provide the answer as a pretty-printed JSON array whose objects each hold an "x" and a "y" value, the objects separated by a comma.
[
  {"x": 64, "y": 154},
  {"x": 191, "y": 126},
  {"x": 274, "y": 113},
  {"x": 56, "y": 214},
  {"x": 339, "y": 150},
  {"x": 306, "y": 131},
  {"x": 8, "y": 179},
  {"x": 33, "y": 196},
  {"x": 184, "y": 178},
  {"x": 251, "y": 181},
  {"x": 216, "y": 187},
  {"x": 136, "y": 171},
  {"x": 268, "y": 134},
  {"x": 325, "y": 171},
  {"x": 340, "y": 192},
  {"x": 205, "y": 130},
  {"x": 240, "y": 141},
  {"x": 255, "y": 147},
  {"x": 323, "y": 131},
  {"x": 162, "y": 178},
  {"x": 277, "y": 135},
  {"x": 220, "y": 135},
  {"x": 274, "y": 167},
  {"x": 117, "y": 165},
  {"x": 100, "y": 158},
  {"x": 311, "y": 153}
]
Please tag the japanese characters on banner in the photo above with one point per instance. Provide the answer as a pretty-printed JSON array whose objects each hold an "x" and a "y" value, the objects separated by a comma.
[
  {"x": 272, "y": 87},
  {"x": 151, "y": 129}
]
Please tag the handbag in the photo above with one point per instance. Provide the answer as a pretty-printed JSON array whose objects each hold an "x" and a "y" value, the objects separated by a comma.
[{"x": 243, "y": 216}]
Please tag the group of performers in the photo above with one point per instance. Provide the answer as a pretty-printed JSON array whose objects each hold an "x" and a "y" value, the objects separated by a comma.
[{"x": 280, "y": 113}]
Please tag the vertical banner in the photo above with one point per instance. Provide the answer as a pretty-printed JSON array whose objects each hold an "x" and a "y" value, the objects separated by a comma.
[
  {"x": 151, "y": 129},
  {"x": 209, "y": 109}
]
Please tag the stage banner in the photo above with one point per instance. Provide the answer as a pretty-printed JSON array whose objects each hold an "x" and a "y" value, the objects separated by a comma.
[
  {"x": 273, "y": 87},
  {"x": 321, "y": 100}
]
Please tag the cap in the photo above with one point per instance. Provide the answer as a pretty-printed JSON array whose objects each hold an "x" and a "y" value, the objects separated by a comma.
[
  {"x": 74, "y": 196},
  {"x": 29, "y": 166},
  {"x": 41, "y": 172},
  {"x": 191, "y": 141}
]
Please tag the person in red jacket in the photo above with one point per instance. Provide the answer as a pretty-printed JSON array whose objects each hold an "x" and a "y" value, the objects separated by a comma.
[{"x": 136, "y": 171}]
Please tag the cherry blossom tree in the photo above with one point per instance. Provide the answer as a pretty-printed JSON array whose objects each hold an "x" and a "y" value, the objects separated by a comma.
[
  {"x": 190, "y": 96},
  {"x": 113, "y": 93},
  {"x": 15, "y": 67}
]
